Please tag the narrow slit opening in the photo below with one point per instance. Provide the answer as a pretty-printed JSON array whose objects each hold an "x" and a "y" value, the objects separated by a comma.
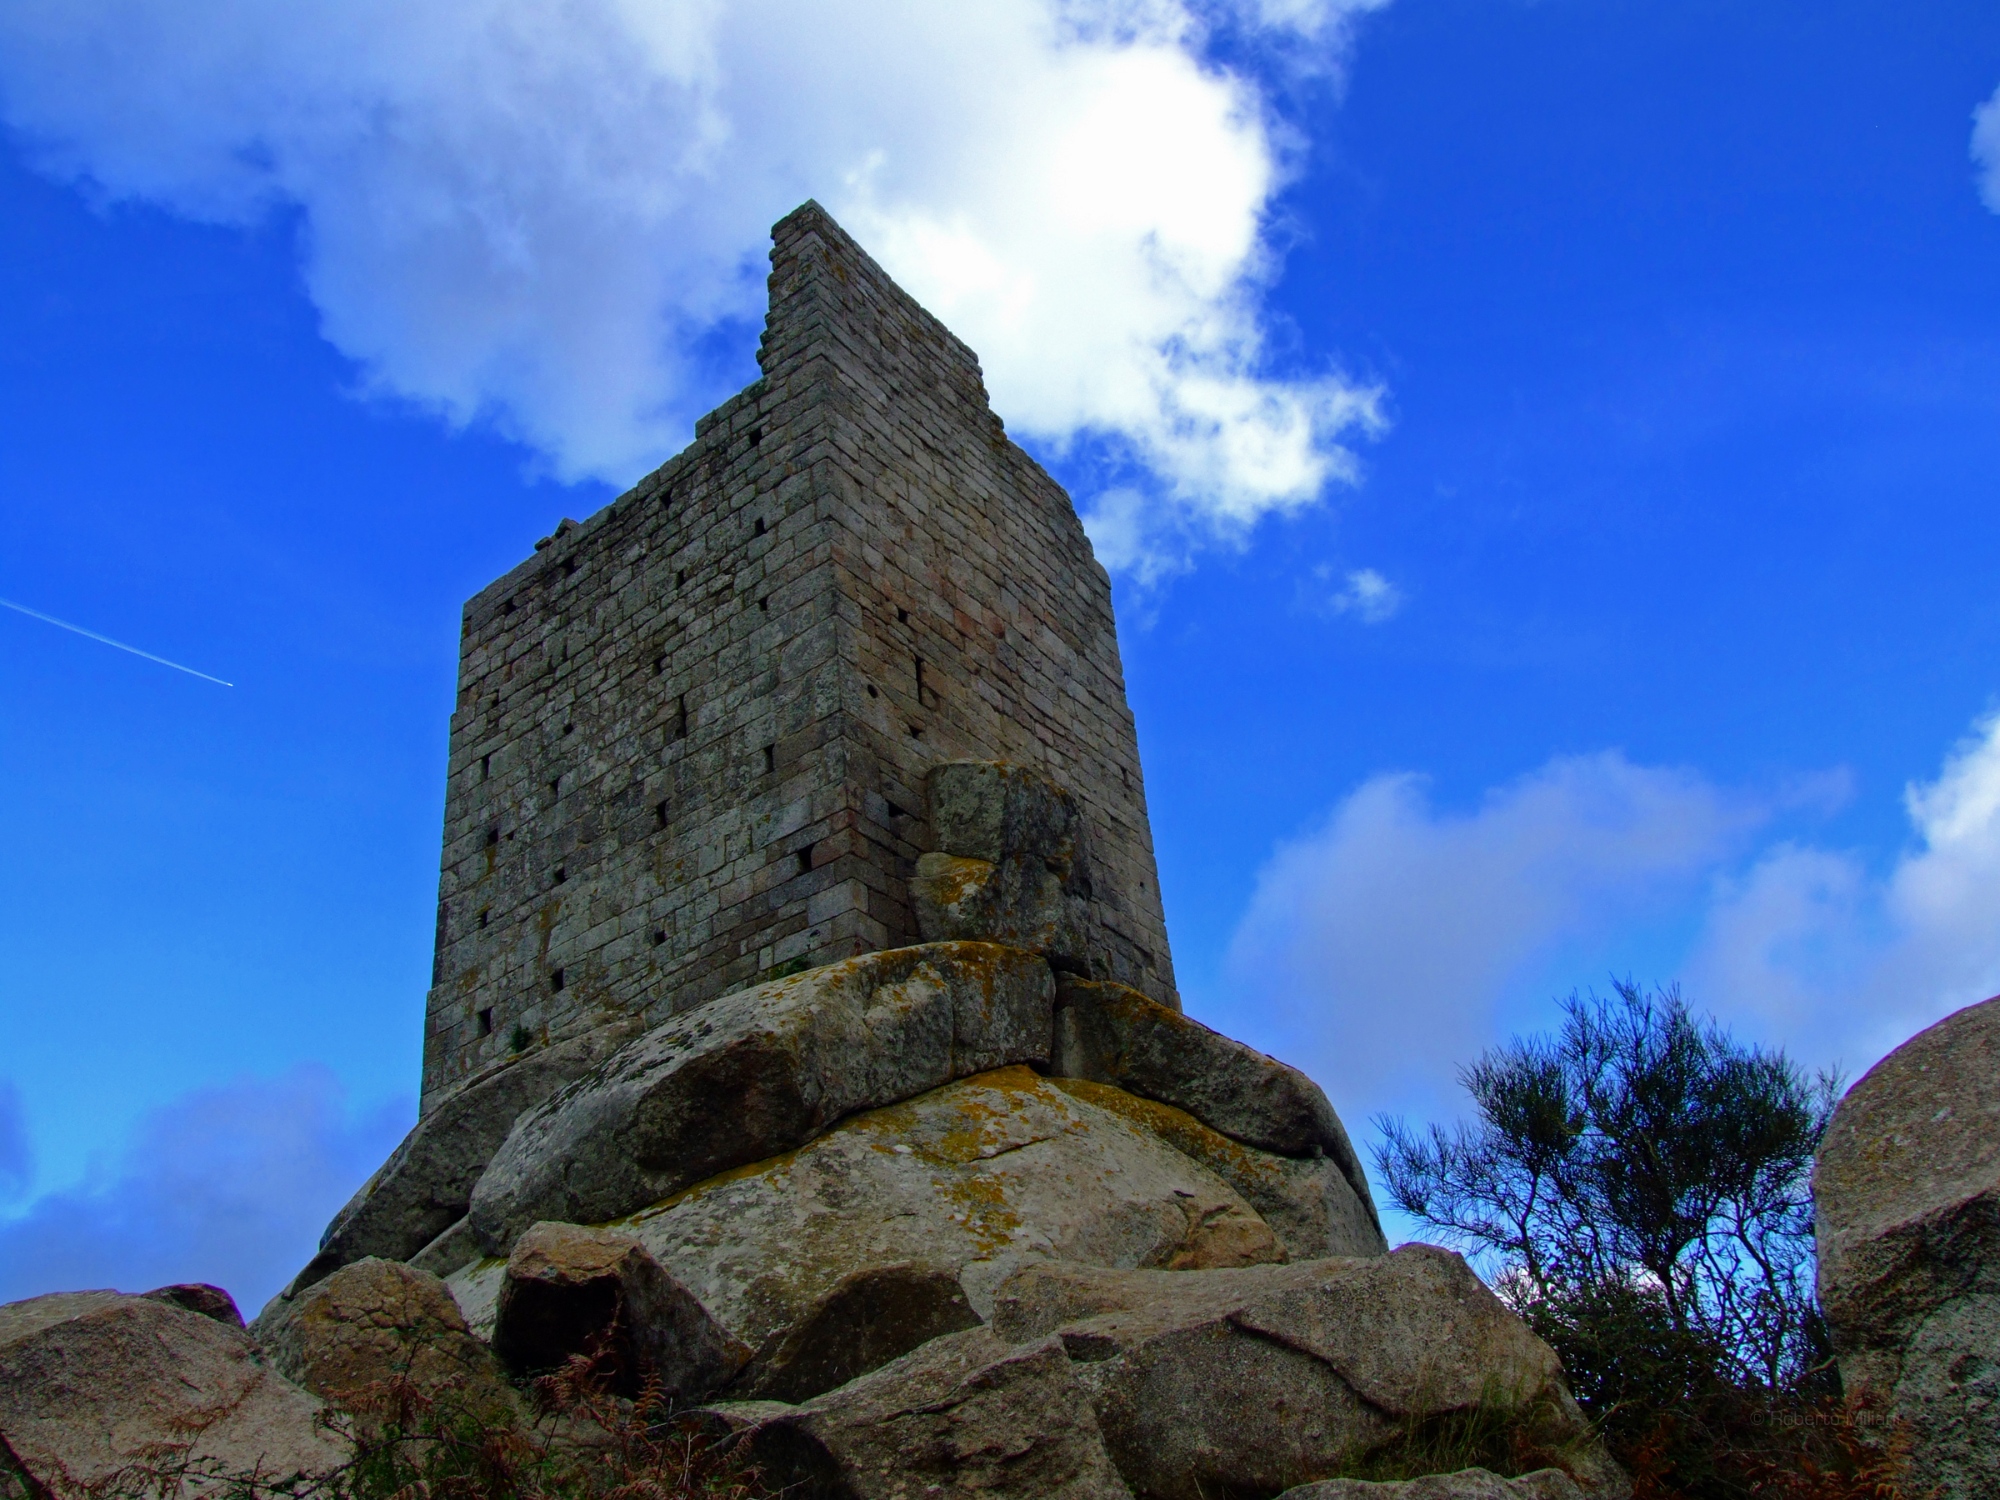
[
  {"x": 806, "y": 860},
  {"x": 486, "y": 1021},
  {"x": 555, "y": 979},
  {"x": 770, "y": 759}
]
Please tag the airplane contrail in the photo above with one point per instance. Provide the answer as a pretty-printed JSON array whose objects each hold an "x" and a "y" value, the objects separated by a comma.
[{"x": 93, "y": 635}]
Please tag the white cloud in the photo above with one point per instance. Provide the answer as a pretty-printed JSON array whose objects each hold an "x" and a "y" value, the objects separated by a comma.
[
  {"x": 1986, "y": 149},
  {"x": 1846, "y": 965},
  {"x": 538, "y": 210},
  {"x": 1384, "y": 940},
  {"x": 230, "y": 1185},
  {"x": 1363, "y": 593}
]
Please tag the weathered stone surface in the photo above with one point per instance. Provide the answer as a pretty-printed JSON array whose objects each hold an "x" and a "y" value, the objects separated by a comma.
[
  {"x": 570, "y": 1290},
  {"x": 868, "y": 1318},
  {"x": 1108, "y": 1033},
  {"x": 344, "y": 1337},
  {"x": 963, "y": 1415},
  {"x": 994, "y": 810},
  {"x": 1019, "y": 901},
  {"x": 424, "y": 1187},
  {"x": 1254, "y": 1380},
  {"x": 1907, "y": 1196},
  {"x": 92, "y": 1383},
  {"x": 1466, "y": 1484},
  {"x": 1308, "y": 1202},
  {"x": 760, "y": 1072},
  {"x": 970, "y": 1180},
  {"x": 200, "y": 1297}
]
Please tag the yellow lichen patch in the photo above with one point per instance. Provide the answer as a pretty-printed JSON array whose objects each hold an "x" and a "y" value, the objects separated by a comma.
[{"x": 1230, "y": 1159}]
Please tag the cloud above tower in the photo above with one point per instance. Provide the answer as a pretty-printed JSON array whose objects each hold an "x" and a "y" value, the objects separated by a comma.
[{"x": 550, "y": 214}]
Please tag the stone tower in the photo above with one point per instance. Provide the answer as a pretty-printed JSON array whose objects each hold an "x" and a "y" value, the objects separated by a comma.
[{"x": 692, "y": 732}]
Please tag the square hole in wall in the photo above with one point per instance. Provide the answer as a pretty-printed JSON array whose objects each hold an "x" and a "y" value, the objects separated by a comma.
[
  {"x": 562, "y": 874},
  {"x": 555, "y": 979},
  {"x": 569, "y": 729},
  {"x": 916, "y": 733},
  {"x": 659, "y": 938},
  {"x": 902, "y": 617},
  {"x": 486, "y": 1021},
  {"x": 492, "y": 836},
  {"x": 756, "y": 436}
]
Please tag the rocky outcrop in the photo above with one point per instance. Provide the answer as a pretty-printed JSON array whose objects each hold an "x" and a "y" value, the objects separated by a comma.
[
  {"x": 99, "y": 1389},
  {"x": 1108, "y": 1033},
  {"x": 1466, "y": 1484},
  {"x": 963, "y": 1185},
  {"x": 346, "y": 1337},
  {"x": 425, "y": 1186},
  {"x": 761, "y": 1072},
  {"x": 200, "y": 1297},
  {"x": 1907, "y": 1196},
  {"x": 570, "y": 1291},
  {"x": 1249, "y": 1381},
  {"x": 963, "y": 1415}
]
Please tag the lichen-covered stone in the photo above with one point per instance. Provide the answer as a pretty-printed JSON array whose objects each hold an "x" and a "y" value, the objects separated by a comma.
[
  {"x": 570, "y": 1290},
  {"x": 1310, "y": 1205},
  {"x": 346, "y": 1337},
  {"x": 963, "y": 1415},
  {"x": 761, "y": 1072},
  {"x": 424, "y": 1187},
  {"x": 971, "y": 1181},
  {"x": 1018, "y": 901},
  {"x": 1110, "y": 1033},
  {"x": 1254, "y": 1380},
  {"x": 1907, "y": 1196},
  {"x": 96, "y": 1389}
]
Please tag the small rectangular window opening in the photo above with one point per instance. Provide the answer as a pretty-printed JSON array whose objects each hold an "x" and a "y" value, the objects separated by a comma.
[
  {"x": 681, "y": 578},
  {"x": 920, "y": 678},
  {"x": 806, "y": 860},
  {"x": 569, "y": 729},
  {"x": 765, "y": 605},
  {"x": 484, "y": 914},
  {"x": 555, "y": 979},
  {"x": 681, "y": 718},
  {"x": 659, "y": 939},
  {"x": 485, "y": 766},
  {"x": 562, "y": 874},
  {"x": 660, "y": 664},
  {"x": 660, "y": 814},
  {"x": 486, "y": 1021},
  {"x": 770, "y": 759},
  {"x": 759, "y": 531},
  {"x": 493, "y": 835},
  {"x": 916, "y": 733},
  {"x": 555, "y": 789},
  {"x": 507, "y": 608},
  {"x": 756, "y": 436},
  {"x": 902, "y": 617},
  {"x": 569, "y": 567}
]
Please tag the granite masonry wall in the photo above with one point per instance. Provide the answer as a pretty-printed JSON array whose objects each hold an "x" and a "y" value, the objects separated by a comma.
[{"x": 692, "y": 731}]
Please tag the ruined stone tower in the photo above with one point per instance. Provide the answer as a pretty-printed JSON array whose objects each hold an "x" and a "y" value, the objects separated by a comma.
[{"x": 692, "y": 732}]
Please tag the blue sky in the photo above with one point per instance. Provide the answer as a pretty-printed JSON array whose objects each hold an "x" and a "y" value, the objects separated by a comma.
[{"x": 1547, "y": 451}]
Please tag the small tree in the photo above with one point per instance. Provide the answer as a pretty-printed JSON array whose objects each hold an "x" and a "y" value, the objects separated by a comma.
[{"x": 1638, "y": 1186}]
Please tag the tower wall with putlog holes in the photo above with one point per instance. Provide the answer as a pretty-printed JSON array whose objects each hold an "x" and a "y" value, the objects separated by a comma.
[{"x": 692, "y": 732}]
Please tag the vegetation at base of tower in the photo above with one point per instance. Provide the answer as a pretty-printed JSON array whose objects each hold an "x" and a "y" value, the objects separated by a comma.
[
  {"x": 1638, "y": 1188},
  {"x": 582, "y": 1442}
]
